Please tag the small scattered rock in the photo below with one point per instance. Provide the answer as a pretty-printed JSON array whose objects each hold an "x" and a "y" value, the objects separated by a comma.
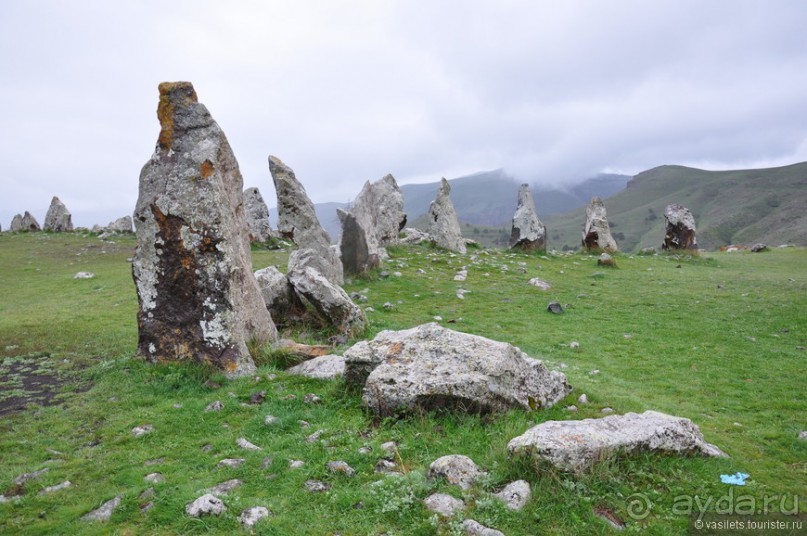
[
  {"x": 365, "y": 449},
  {"x": 389, "y": 446},
  {"x": 582, "y": 399},
  {"x": 515, "y": 494},
  {"x": 251, "y": 516},
  {"x": 304, "y": 424},
  {"x": 475, "y": 528},
  {"x": 231, "y": 462},
  {"x": 266, "y": 463},
  {"x": 324, "y": 367},
  {"x": 607, "y": 410},
  {"x": 225, "y": 487},
  {"x": 270, "y": 420},
  {"x": 207, "y": 504},
  {"x": 58, "y": 487},
  {"x": 154, "y": 478},
  {"x": 443, "y": 504},
  {"x": 311, "y": 398},
  {"x": 246, "y": 445},
  {"x": 388, "y": 306},
  {"x": 104, "y": 512},
  {"x": 554, "y": 308},
  {"x": 257, "y": 398},
  {"x": 803, "y": 434},
  {"x": 456, "y": 469},
  {"x": 606, "y": 260},
  {"x": 25, "y": 477},
  {"x": 572, "y": 409},
  {"x": 340, "y": 467},
  {"x": 756, "y": 248},
  {"x": 207, "y": 448},
  {"x": 139, "y": 431},
  {"x": 215, "y": 406},
  {"x": 316, "y": 486},
  {"x": 313, "y": 438},
  {"x": 84, "y": 275},
  {"x": 296, "y": 464},
  {"x": 574, "y": 345},
  {"x": 540, "y": 283},
  {"x": 385, "y": 466}
]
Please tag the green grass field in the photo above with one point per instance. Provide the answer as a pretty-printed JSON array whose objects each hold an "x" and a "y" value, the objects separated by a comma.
[{"x": 718, "y": 339}]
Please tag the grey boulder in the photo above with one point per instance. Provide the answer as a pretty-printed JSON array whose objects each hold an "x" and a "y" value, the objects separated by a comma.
[
  {"x": 443, "y": 504},
  {"x": 256, "y": 214},
  {"x": 279, "y": 296},
  {"x": 330, "y": 300},
  {"x": 576, "y": 445},
  {"x": 104, "y": 512},
  {"x": 325, "y": 367},
  {"x": 24, "y": 223},
  {"x": 456, "y": 469},
  {"x": 207, "y": 504},
  {"x": 432, "y": 367}
]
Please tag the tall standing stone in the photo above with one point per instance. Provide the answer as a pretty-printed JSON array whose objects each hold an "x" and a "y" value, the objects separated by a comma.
[
  {"x": 257, "y": 216},
  {"x": 679, "y": 231},
  {"x": 58, "y": 218},
  {"x": 198, "y": 298},
  {"x": 528, "y": 233},
  {"x": 379, "y": 209},
  {"x": 596, "y": 232},
  {"x": 354, "y": 245},
  {"x": 444, "y": 228},
  {"x": 298, "y": 221}
]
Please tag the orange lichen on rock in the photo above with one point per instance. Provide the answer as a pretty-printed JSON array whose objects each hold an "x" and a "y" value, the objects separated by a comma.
[
  {"x": 172, "y": 94},
  {"x": 206, "y": 169}
]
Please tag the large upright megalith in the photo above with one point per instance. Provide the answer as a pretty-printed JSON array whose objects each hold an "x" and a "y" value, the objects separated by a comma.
[
  {"x": 679, "y": 230},
  {"x": 528, "y": 233},
  {"x": 596, "y": 232},
  {"x": 257, "y": 216},
  {"x": 444, "y": 228},
  {"x": 297, "y": 221},
  {"x": 198, "y": 297},
  {"x": 58, "y": 218},
  {"x": 379, "y": 209}
]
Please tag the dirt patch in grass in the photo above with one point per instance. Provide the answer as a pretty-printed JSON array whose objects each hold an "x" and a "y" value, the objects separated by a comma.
[{"x": 28, "y": 380}]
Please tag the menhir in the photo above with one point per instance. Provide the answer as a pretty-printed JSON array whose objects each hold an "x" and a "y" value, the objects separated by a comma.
[{"x": 198, "y": 298}]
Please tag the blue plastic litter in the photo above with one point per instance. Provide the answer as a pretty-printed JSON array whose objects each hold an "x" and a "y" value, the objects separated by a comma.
[{"x": 737, "y": 479}]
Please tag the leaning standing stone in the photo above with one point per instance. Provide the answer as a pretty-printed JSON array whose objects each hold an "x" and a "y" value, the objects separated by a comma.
[
  {"x": 198, "y": 298},
  {"x": 257, "y": 216},
  {"x": 679, "y": 230}
]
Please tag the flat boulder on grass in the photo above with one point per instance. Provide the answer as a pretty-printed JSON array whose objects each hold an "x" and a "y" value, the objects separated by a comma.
[
  {"x": 576, "y": 445},
  {"x": 207, "y": 504},
  {"x": 432, "y": 367},
  {"x": 325, "y": 367}
]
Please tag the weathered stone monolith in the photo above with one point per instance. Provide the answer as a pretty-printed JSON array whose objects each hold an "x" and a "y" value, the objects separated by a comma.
[
  {"x": 354, "y": 246},
  {"x": 679, "y": 231},
  {"x": 257, "y": 216},
  {"x": 528, "y": 233},
  {"x": 444, "y": 228},
  {"x": 297, "y": 221},
  {"x": 24, "y": 223},
  {"x": 379, "y": 209},
  {"x": 198, "y": 298},
  {"x": 58, "y": 218},
  {"x": 596, "y": 232}
]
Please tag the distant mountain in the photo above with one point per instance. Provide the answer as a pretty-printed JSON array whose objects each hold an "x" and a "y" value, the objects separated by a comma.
[
  {"x": 740, "y": 206},
  {"x": 489, "y": 198}
]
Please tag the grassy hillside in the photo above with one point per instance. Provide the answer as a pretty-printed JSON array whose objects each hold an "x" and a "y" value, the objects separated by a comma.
[
  {"x": 743, "y": 206},
  {"x": 718, "y": 339}
]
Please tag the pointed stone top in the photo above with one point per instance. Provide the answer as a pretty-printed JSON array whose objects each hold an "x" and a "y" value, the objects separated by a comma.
[
  {"x": 179, "y": 109},
  {"x": 596, "y": 201},
  {"x": 445, "y": 188},
  {"x": 276, "y": 163},
  {"x": 56, "y": 201}
]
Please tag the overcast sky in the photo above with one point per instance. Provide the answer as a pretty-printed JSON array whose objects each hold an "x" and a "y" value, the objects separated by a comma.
[{"x": 346, "y": 91}]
